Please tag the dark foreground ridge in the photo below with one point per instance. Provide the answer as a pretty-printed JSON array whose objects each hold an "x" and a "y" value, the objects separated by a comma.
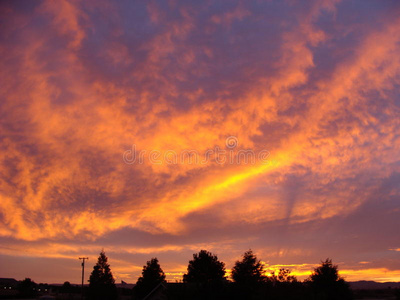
[
  {"x": 206, "y": 279},
  {"x": 9, "y": 289}
]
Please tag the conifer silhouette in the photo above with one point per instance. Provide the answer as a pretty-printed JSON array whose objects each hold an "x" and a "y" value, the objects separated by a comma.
[{"x": 101, "y": 282}]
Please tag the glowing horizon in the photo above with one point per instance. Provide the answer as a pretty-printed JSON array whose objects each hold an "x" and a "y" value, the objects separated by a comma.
[{"x": 158, "y": 129}]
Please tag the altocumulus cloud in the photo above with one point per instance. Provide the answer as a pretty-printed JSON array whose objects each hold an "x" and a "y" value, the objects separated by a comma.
[{"x": 315, "y": 83}]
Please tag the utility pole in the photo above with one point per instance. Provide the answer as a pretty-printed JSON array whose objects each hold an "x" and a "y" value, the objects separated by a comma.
[{"x": 83, "y": 270}]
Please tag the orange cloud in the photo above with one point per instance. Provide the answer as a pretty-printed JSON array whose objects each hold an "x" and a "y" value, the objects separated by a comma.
[{"x": 80, "y": 89}]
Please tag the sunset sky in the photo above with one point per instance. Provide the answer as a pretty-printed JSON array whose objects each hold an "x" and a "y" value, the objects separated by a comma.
[{"x": 112, "y": 113}]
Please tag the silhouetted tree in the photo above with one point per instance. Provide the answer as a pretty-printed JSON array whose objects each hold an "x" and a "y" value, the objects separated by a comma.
[
  {"x": 205, "y": 268},
  {"x": 27, "y": 288},
  {"x": 205, "y": 278},
  {"x": 327, "y": 284},
  {"x": 152, "y": 275},
  {"x": 283, "y": 277},
  {"x": 248, "y": 275},
  {"x": 101, "y": 282},
  {"x": 68, "y": 290},
  {"x": 249, "y": 271},
  {"x": 66, "y": 287},
  {"x": 285, "y": 286}
]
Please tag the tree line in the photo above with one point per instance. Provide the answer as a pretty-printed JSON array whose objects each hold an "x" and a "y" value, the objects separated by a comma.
[{"x": 206, "y": 279}]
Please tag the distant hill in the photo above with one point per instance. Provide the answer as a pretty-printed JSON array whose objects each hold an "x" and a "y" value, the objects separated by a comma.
[{"x": 372, "y": 285}]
